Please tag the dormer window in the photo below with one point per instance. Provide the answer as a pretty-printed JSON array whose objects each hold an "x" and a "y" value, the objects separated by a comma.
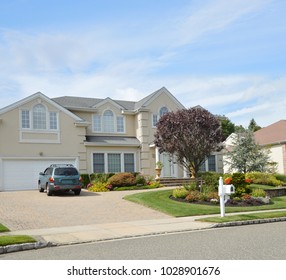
[{"x": 108, "y": 122}]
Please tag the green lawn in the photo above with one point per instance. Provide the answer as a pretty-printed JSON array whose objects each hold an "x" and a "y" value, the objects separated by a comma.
[
  {"x": 15, "y": 239},
  {"x": 3, "y": 228},
  {"x": 159, "y": 200},
  {"x": 244, "y": 217}
]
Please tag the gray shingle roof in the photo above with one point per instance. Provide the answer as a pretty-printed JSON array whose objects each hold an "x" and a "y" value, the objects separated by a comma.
[
  {"x": 113, "y": 141},
  {"x": 72, "y": 102}
]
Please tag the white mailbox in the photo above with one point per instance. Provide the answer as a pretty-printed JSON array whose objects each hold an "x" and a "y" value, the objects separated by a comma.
[{"x": 229, "y": 189}]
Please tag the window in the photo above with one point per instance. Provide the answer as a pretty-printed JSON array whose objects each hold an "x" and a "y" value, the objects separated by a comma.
[
  {"x": 25, "y": 119},
  {"x": 212, "y": 163},
  {"x": 209, "y": 164},
  {"x": 98, "y": 163},
  {"x": 39, "y": 117},
  {"x": 53, "y": 120},
  {"x": 113, "y": 162},
  {"x": 163, "y": 111},
  {"x": 97, "y": 123},
  {"x": 108, "y": 123},
  {"x": 129, "y": 162},
  {"x": 154, "y": 120},
  {"x": 156, "y": 117},
  {"x": 120, "y": 124}
]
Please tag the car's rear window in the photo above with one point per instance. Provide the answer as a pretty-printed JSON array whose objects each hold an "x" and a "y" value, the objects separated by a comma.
[{"x": 66, "y": 171}]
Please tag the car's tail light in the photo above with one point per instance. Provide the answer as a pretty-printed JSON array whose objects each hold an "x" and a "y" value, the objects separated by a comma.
[{"x": 51, "y": 179}]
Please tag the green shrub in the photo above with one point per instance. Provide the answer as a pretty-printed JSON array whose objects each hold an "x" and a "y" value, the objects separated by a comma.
[
  {"x": 100, "y": 177},
  {"x": 191, "y": 187},
  {"x": 210, "y": 178},
  {"x": 85, "y": 180},
  {"x": 281, "y": 178},
  {"x": 258, "y": 193},
  {"x": 241, "y": 186},
  {"x": 263, "y": 178},
  {"x": 140, "y": 180},
  {"x": 180, "y": 193},
  {"x": 122, "y": 179}
]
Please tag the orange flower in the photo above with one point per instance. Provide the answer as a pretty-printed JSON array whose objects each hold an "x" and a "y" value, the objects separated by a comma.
[{"x": 227, "y": 180}]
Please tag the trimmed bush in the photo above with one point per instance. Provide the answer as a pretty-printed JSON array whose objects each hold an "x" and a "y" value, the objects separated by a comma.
[
  {"x": 180, "y": 193},
  {"x": 122, "y": 179},
  {"x": 263, "y": 179},
  {"x": 258, "y": 193}
]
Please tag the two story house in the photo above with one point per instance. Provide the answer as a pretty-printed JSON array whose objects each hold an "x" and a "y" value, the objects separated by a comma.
[{"x": 96, "y": 135}]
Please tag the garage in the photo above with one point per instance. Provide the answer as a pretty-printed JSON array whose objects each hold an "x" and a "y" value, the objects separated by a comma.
[{"x": 23, "y": 174}]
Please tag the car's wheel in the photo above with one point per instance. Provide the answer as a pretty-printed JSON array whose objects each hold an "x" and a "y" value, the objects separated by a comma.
[
  {"x": 49, "y": 192},
  {"x": 39, "y": 187},
  {"x": 76, "y": 192}
]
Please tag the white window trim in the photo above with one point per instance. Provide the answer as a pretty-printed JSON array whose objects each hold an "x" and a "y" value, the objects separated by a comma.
[
  {"x": 30, "y": 130},
  {"x": 114, "y": 123},
  {"x": 114, "y": 152}
]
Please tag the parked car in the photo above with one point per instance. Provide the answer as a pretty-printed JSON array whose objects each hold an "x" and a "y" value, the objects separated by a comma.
[{"x": 60, "y": 177}]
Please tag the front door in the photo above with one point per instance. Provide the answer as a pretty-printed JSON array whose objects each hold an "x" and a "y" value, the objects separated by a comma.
[{"x": 169, "y": 169}]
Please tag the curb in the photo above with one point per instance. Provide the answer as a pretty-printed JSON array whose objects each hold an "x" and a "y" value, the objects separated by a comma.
[
  {"x": 22, "y": 247},
  {"x": 40, "y": 244},
  {"x": 249, "y": 222}
]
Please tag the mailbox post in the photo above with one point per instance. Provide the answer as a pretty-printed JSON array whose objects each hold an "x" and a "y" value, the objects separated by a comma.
[{"x": 224, "y": 191}]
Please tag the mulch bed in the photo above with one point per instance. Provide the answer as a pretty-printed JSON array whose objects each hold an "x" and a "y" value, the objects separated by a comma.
[{"x": 231, "y": 202}]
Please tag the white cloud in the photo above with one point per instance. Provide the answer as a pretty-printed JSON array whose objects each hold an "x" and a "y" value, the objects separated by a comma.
[{"x": 214, "y": 16}]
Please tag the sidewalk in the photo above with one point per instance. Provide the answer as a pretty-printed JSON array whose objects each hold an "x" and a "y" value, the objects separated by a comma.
[{"x": 111, "y": 231}]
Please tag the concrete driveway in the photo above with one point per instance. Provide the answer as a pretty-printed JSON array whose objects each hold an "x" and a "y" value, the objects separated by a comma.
[{"x": 23, "y": 210}]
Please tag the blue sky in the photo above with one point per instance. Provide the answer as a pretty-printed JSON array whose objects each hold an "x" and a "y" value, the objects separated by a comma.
[{"x": 227, "y": 56}]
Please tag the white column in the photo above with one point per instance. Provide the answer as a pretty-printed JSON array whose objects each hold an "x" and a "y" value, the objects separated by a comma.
[{"x": 157, "y": 154}]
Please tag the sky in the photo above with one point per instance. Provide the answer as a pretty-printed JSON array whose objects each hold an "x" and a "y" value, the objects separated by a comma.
[{"x": 226, "y": 56}]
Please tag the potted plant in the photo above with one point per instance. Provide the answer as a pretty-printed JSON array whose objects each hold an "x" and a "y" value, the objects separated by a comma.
[{"x": 159, "y": 166}]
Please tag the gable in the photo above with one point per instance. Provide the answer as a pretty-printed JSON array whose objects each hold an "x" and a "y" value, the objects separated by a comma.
[{"x": 39, "y": 97}]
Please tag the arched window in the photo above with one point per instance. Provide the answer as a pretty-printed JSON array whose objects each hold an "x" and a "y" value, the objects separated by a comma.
[
  {"x": 163, "y": 111},
  {"x": 39, "y": 117},
  {"x": 108, "y": 121}
]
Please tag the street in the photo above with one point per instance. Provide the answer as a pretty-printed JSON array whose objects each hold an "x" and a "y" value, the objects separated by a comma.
[{"x": 252, "y": 242}]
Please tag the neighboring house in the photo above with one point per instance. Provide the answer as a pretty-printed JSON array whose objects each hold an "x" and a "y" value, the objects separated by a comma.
[
  {"x": 96, "y": 135},
  {"x": 272, "y": 137}
]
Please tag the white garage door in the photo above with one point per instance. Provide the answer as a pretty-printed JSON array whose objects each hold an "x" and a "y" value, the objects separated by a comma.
[{"x": 23, "y": 174}]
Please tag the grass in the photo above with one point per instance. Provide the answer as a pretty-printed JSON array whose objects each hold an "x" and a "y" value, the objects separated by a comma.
[
  {"x": 244, "y": 217},
  {"x": 159, "y": 200},
  {"x": 3, "y": 228},
  {"x": 15, "y": 239}
]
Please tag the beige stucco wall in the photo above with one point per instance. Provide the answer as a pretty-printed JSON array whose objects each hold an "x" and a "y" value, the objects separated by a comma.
[
  {"x": 276, "y": 155},
  {"x": 66, "y": 142}
]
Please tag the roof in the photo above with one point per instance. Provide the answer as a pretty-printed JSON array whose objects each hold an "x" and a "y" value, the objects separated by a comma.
[
  {"x": 272, "y": 134},
  {"x": 112, "y": 141},
  {"x": 72, "y": 102}
]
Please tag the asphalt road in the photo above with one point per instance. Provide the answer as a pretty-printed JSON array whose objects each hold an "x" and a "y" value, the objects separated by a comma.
[{"x": 252, "y": 242}]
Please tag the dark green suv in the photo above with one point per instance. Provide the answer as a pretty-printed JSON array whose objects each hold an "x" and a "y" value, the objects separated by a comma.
[{"x": 60, "y": 177}]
